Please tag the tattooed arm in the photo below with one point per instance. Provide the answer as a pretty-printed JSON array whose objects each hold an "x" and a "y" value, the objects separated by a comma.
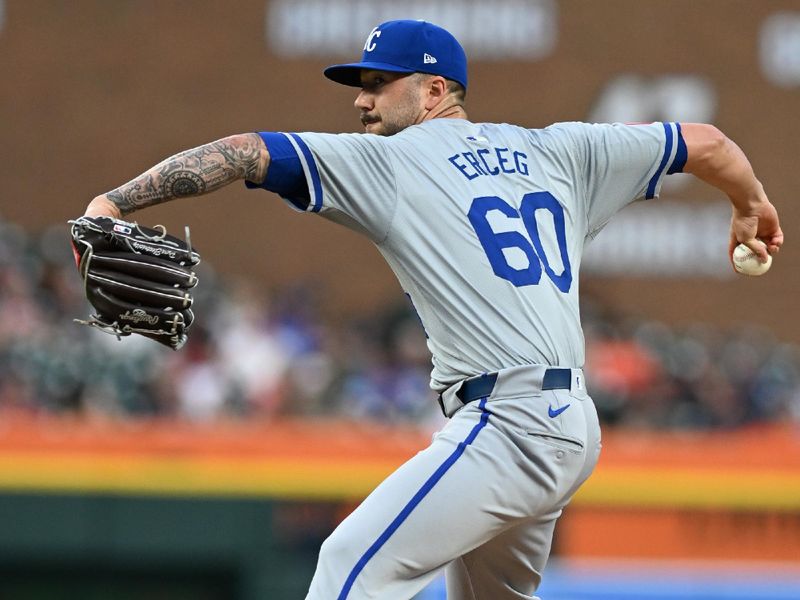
[{"x": 188, "y": 173}]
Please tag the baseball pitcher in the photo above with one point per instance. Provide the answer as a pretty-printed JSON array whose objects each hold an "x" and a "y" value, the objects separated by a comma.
[{"x": 485, "y": 226}]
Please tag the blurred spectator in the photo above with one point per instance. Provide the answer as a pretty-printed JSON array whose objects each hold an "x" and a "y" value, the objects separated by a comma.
[{"x": 254, "y": 355}]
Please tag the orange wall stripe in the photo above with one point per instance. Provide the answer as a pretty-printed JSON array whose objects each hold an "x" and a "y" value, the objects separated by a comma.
[{"x": 752, "y": 469}]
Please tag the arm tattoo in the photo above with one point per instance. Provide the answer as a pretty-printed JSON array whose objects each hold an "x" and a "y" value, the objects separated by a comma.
[{"x": 194, "y": 172}]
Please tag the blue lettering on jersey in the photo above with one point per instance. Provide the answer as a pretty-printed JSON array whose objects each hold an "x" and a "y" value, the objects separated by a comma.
[
  {"x": 456, "y": 161},
  {"x": 490, "y": 162},
  {"x": 496, "y": 243},
  {"x": 519, "y": 162},
  {"x": 501, "y": 158},
  {"x": 470, "y": 158},
  {"x": 490, "y": 170}
]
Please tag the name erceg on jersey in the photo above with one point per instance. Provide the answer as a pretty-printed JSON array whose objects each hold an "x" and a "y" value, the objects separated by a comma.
[{"x": 490, "y": 162}]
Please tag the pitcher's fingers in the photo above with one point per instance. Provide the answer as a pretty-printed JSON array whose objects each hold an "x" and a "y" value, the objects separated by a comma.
[
  {"x": 775, "y": 242},
  {"x": 759, "y": 248}
]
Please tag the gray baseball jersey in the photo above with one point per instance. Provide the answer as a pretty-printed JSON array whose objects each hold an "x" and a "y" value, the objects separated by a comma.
[{"x": 485, "y": 224}]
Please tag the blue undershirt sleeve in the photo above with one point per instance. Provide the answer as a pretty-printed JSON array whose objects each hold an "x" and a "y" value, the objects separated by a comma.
[
  {"x": 680, "y": 154},
  {"x": 285, "y": 175}
]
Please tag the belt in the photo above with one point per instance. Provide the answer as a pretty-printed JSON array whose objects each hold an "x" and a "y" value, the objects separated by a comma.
[{"x": 482, "y": 386}]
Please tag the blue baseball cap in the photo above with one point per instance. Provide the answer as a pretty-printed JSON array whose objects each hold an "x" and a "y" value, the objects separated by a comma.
[{"x": 406, "y": 46}]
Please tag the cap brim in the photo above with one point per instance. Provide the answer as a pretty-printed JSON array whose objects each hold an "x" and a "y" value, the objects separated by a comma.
[{"x": 350, "y": 73}]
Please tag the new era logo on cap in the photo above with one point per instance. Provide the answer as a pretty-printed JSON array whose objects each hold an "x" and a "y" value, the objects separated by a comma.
[{"x": 406, "y": 47}]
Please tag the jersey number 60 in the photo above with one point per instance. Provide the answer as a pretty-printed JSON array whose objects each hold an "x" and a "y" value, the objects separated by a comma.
[{"x": 494, "y": 243}]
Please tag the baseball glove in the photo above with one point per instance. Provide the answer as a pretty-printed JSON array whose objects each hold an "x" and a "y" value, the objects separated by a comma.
[{"x": 138, "y": 279}]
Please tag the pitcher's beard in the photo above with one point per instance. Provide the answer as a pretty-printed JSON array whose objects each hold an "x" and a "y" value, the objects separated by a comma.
[{"x": 379, "y": 126}]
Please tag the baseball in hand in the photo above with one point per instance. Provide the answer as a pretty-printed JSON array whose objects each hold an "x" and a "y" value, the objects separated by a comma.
[{"x": 747, "y": 262}]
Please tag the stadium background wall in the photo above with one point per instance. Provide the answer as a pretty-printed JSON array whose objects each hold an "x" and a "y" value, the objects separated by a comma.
[{"x": 95, "y": 92}]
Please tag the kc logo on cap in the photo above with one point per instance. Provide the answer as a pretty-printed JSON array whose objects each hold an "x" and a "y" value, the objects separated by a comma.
[
  {"x": 406, "y": 46},
  {"x": 369, "y": 45}
]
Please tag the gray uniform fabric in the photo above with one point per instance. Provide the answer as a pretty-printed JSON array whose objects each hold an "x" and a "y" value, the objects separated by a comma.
[
  {"x": 484, "y": 226},
  {"x": 481, "y": 501},
  {"x": 412, "y": 193}
]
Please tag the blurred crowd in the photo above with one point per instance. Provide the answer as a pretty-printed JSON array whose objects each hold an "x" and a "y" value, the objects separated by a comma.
[{"x": 257, "y": 354}]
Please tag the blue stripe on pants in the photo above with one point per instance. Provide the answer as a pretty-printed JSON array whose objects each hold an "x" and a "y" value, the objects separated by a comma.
[{"x": 412, "y": 504}]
